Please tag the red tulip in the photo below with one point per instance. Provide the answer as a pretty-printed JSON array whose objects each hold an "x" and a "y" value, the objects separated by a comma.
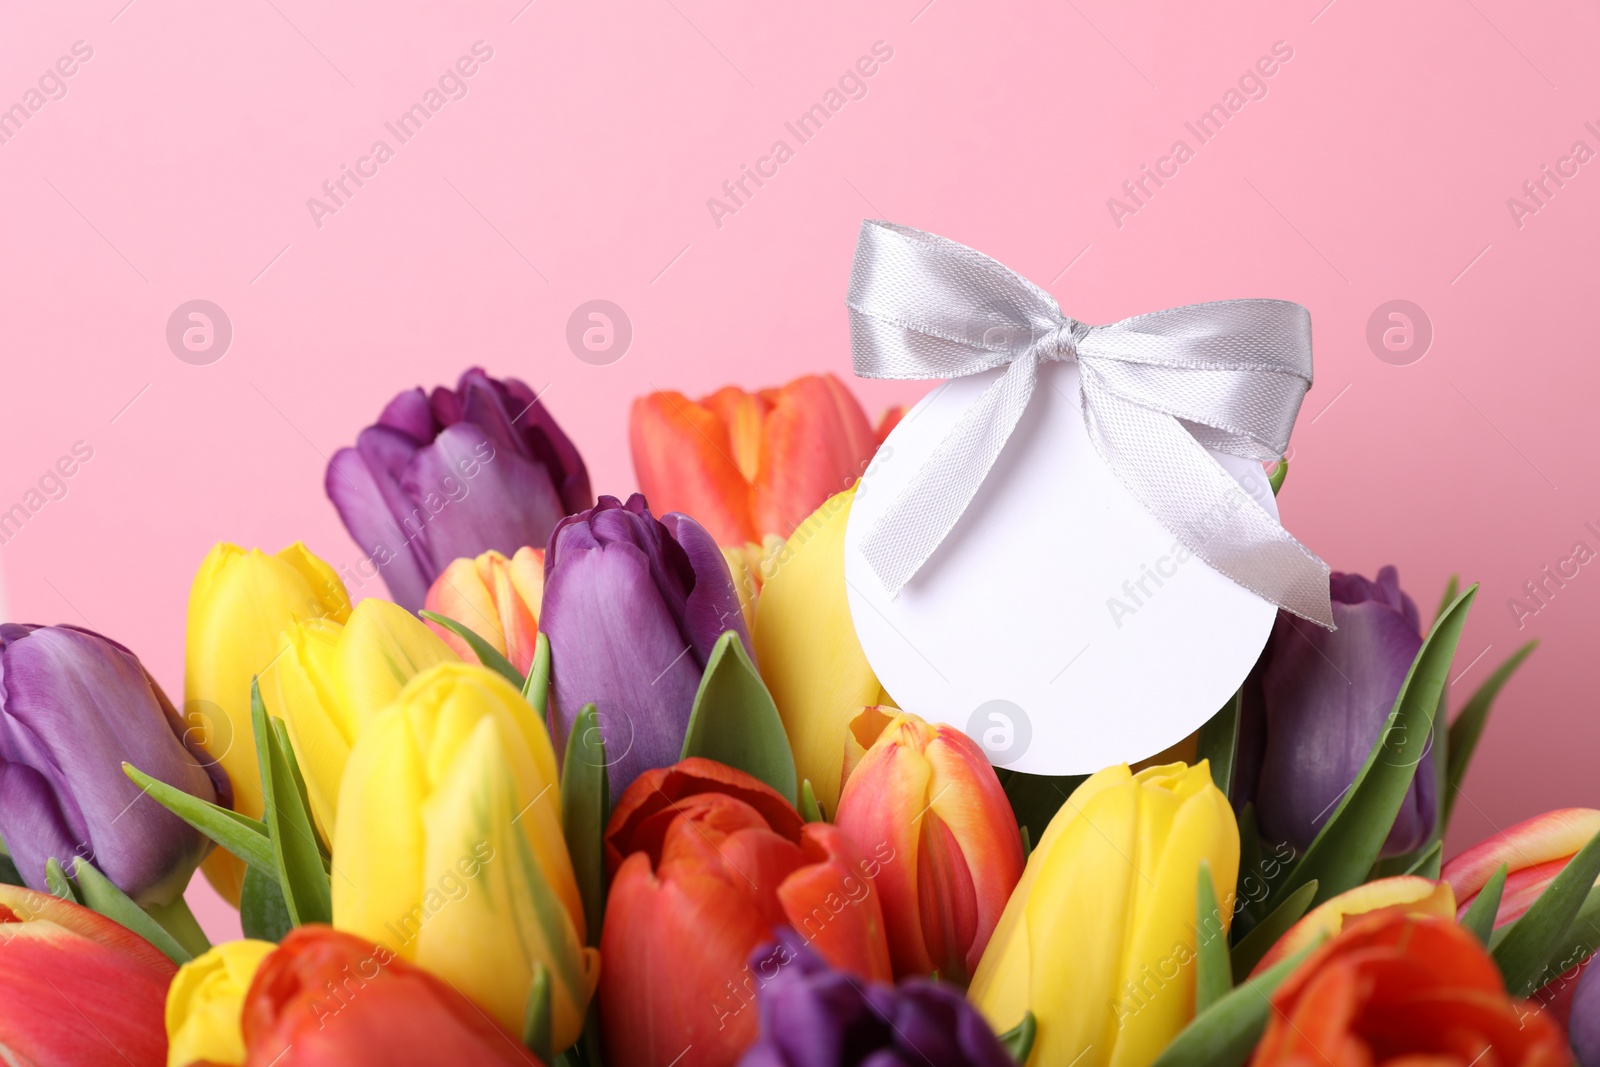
[
  {"x": 707, "y": 863},
  {"x": 76, "y": 989},
  {"x": 929, "y": 793},
  {"x": 746, "y": 465},
  {"x": 325, "y": 997},
  {"x": 1404, "y": 989}
]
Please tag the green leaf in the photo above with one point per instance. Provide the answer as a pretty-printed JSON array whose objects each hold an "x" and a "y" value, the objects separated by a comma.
[
  {"x": 56, "y": 880},
  {"x": 536, "y": 1014},
  {"x": 239, "y": 834},
  {"x": 1225, "y": 1034},
  {"x": 102, "y": 896},
  {"x": 585, "y": 806},
  {"x": 1213, "y": 975},
  {"x": 1219, "y": 741},
  {"x": 296, "y": 853},
  {"x": 1018, "y": 1040},
  {"x": 1580, "y": 942},
  {"x": 262, "y": 912},
  {"x": 176, "y": 919},
  {"x": 1251, "y": 868},
  {"x": 1347, "y": 846},
  {"x": 1279, "y": 473},
  {"x": 487, "y": 654},
  {"x": 1259, "y": 941},
  {"x": 536, "y": 690},
  {"x": 1468, "y": 727},
  {"x": 9, "y": 875},
  {"x": 1427, "y": 863},
  {"x": 1452, "y": 589},
  {"x": 1530, "y": 943},
  {"x": 1027, "y": 843},
  {"x": 1479, "y": 918},
  {"x": 735, "y": 722},
  {"x": 810, "y": 806}
]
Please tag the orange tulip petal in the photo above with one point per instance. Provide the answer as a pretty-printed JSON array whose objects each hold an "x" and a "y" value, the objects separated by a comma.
[
  {"x": 684, "y": 460},
  {"x": 816, "y": 442},
  {"x": 833, "y": 904},
  {"x": 1551, "y": 836}
]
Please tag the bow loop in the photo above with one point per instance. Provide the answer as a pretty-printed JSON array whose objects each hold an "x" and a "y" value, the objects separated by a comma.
[{"x": 1157, "y": 391}]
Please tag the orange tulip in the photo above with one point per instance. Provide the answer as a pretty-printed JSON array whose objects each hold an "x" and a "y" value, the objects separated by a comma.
[
  {"x": 1404, "y": 989},
  {"x": 707, "y": 862},
  {"x": 76, "y": 989},
  {"x": 929, "y": 792},
  {"x": 496, "y": 597},
  {"x": 1404, "y": 894},
  {"x": 745, "y": 465}
]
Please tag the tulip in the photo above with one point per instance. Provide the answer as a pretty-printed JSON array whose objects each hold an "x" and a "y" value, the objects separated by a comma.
[
  {"x": 239, "y": 607},
  {"x": 74, "y": 706},
  {"x": 1316, "y": 704},
  {"x": 449, "y": 850},
  {"x": 930, "y": 792},
  {"x": 76, "y": 989},
  {"x": 1583, "y": 1028},
  {"x": 810, "y": 658},
  {"x": 633, "y": 607},
  {"x": 1404, "y": 894},
  {"x": 328, "y": 999},
  {"x": 453, "y": 475},
  {"x": 204, "y": 1002},
  {"x": 1098, "y": 939},
  {"x": 1404, "y": 989},
  {"x": 707, "y": 862},
  {"x": 495, "y": 597},
  {"x": 814, "y": 1016},
  {"x": 1535, "y": 851},
  {"x": 750, "y": 464},
  {"x": 330, "y": 680}
]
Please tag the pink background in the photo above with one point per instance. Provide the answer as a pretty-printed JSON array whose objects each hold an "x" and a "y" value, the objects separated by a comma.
[{"x": 578, "y": 166}]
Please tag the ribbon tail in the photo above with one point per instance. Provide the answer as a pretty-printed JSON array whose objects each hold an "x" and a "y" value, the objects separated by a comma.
[
  {"x": 1203, "y": 506},
  {"x": 928, "y": 508}
]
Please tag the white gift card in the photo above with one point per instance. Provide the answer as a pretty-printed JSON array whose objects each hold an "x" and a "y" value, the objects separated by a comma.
[{"x": 1059, "y": 624}]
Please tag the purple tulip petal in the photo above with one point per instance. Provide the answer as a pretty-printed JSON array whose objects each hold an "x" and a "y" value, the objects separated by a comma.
[
  {"x": 410, "y": 413},
  {"x": 34, "y": 824},
  {"x": 713, "y": 603},
  {"x": 368, "y": 500},
  {"x": 614, "y": 644},
  {"x": 476, "y": 497},
  {"x": 1583, "y": 1027},
  {"x": 547, "y": 443}
]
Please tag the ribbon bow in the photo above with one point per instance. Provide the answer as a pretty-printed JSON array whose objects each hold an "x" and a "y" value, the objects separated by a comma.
[{"x": 1157, "y": 391}]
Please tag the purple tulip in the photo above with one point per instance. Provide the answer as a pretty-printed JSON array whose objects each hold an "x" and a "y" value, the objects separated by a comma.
[
  {"x": 1315, "y": 705},
  {"x": 633, "y": 606},
  {"x": 455, "y": 474},
  {"x": 814, "y": 1016},
  {"x": 74, "y": 706},
  {"x": 1583, "y": 1024}
]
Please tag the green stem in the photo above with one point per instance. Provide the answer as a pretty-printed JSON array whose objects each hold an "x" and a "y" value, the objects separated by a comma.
[{"x": 177, "y": 920}]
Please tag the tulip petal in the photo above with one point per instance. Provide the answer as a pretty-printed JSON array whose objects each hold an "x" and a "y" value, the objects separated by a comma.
[
  {"x": 712, "y": 607},
  {"x": 1403, "y": 894},
  {"x": 1553, "y": 837},
  {"x": 831, "y": 902},
  {"x": 493, "y": 508},
  {"x": 364, "y": 485},
  {"x": 684, "y": 461},
  {"x": 815, "y": 442},
  {"x": 662, "y": 788}
]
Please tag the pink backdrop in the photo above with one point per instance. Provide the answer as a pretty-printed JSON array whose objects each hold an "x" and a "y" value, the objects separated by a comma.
[{"x": 1374, "y": 164}]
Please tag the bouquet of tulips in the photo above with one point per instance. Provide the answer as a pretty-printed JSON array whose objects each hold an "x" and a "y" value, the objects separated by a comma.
[{"x": 612, "y": 782}]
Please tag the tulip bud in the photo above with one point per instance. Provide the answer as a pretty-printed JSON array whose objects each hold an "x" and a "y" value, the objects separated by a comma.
[
  {"x": 331, "y": 679},
  {"x": 633, "y": 607},
  {"x": 812, "y": 1014},
  {"x": 75, "y": 987},
  {"x": 1534, "y": 851},
  {"x": 1404, "y": 894},
  {"x": 239, "y": 607},
  {"x": 1099, "y": 938},
  {"x": 930, "y": 793},
  {"x": 327, "y": 999},
  {"x": 449, "y": 846},
  {"x": 810, "y": 658},
  {"x": 496, "y": 598},
  {"x": 707, "y": 861},
  {"x": 747, "y": 465},
  {"x": 1317, "y": 703},
  {"x": 453, "y": 475},
  {"x": 204, "y": 1002},
  {"x": 74, "y": 706}
]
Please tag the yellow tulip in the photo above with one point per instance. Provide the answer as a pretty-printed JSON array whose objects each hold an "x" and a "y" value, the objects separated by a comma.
[
  {"x": 1098, "y": 939},
  {"x": 239, "y": 606},
  {"x": 807, "y": 649},
  {"x": 204, "y": 1002},
  {"x": 331, "y": 679},
  {"x": 448, "y": 848}
]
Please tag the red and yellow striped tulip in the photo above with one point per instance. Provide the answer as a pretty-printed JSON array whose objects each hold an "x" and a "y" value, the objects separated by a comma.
[
  {"x": 495, "y": 597},
  {"x": 1535, "y": 850},
  {"x": 929, "y": 792}
]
